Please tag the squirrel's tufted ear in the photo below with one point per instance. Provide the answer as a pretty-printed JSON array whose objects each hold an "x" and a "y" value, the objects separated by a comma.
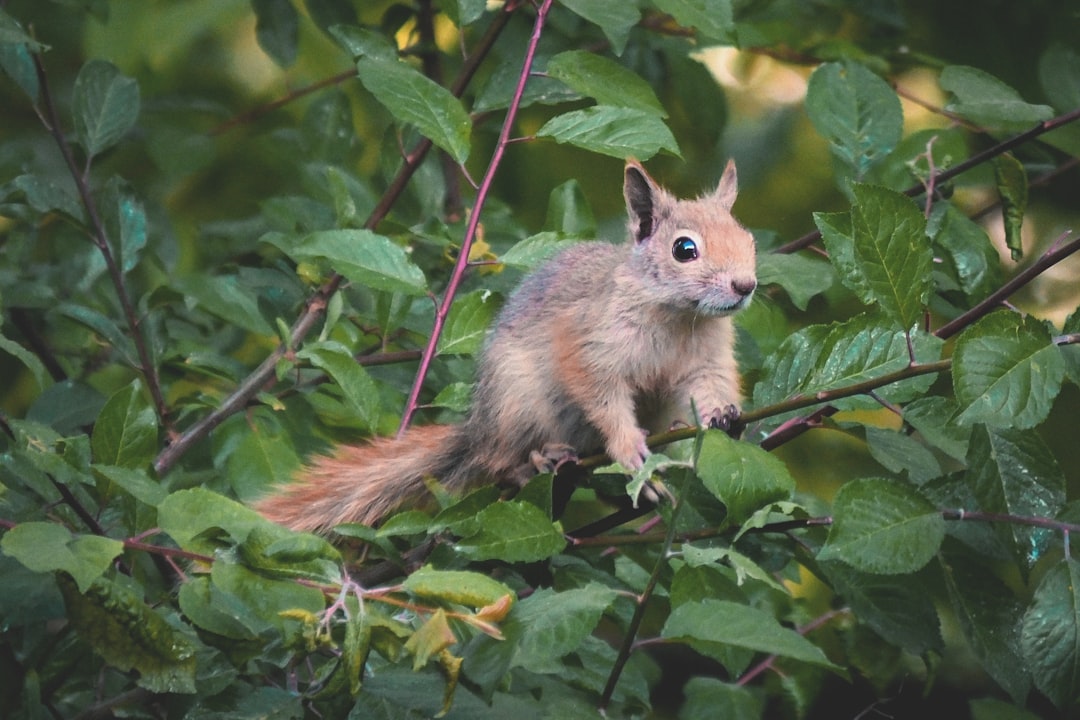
[
  {"x": 642, "y": 197},
  {"x": 728, "y": 188}
]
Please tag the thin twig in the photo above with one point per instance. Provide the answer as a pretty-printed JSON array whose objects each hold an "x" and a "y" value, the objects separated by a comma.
[{"x": 474, "y": 219}]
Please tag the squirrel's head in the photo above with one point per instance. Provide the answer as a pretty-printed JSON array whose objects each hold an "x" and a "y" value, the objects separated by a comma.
[{"x": 693, "y": 255}]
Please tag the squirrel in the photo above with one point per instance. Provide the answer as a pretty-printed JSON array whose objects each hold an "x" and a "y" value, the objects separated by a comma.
[{"x": 598, "y": 346}]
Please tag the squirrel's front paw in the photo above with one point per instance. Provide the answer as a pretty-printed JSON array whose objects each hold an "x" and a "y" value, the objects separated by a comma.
[
  {"x": 630, "y": 450},
  {"x": 725, "y": 418}
]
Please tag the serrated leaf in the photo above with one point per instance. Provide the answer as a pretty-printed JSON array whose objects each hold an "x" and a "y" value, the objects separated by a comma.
[
  {"x": 616, "y": 131},
  {"x": 129, "y": 635},
  {"x": 1050, "y": 637},
  {"x": 568, "y": 211},
  {"x": 126, "y": 431},
  {"x": 1006, "y": 371},
  {"x": 1013, "y": 472},
  {"x": 555, "y": 623},
  {"x": 899, "y": 609},
  {"x": 512, "y": 532},
  {"x": 856, "y": 112},
  {"x": 105, "y": 105},
  {"x": 710, "y": 623},
  {"x": 839, "y": 240},
  {"x": 713, "y": 19},
  {"x": 1012, "y": 186},
  {"x": 45, "y": 195},
  {"x": 969, "y": 250},
  {"x": 226, "y": 296},
  {"x": 416, "y": 100},
  {"x": 263, "y": 457},
  {"x": 466, "y": 326},
  {"x": 614, "y": 17},
  {"x": 891, "y": 252},
  {"x": 604, "y": 80},
  {"x": 802, "y": 278},
  {"x": 362, "y": 256},
  {"x": 265, "y": 600},
  {"x": 125, "y": 222},
  {"x": 741, "y": 475},
  {"x": 884, "y": 527},
  {"x": 455, "y": 396},
  {"x": 48, "y": 547},
  {"x": 277, "y": 28},
  {"x": 430, "y": 639},
  {"x": 988, "y": 613},
  {"x": 931, "y": 416},
  {"x": 354, "y": 382},
  {"x": 460, "y": 587},
  {"x": 988, "y": 102}
]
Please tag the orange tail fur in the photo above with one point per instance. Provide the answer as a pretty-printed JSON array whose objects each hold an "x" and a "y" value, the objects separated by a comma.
[{"x": 365, "y": 483}]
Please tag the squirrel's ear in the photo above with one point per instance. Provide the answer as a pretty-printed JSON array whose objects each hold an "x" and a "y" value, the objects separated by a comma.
[
  {"x": 728, "y": 188},
  {"x": 642, "y": 196}
]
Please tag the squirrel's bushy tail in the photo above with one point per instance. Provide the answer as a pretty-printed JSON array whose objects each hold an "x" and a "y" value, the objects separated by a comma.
[{"x": 365, "y": 483}]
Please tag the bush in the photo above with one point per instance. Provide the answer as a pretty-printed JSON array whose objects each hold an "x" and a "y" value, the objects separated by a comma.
[{"x": 220, "y": 254}]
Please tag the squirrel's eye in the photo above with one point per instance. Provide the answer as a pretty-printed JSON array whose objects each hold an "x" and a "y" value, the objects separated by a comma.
[{"x": 684, "y": 249}]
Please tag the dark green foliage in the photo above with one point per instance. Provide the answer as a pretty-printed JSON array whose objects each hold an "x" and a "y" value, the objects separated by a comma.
[{"x": 222, "y": 226}]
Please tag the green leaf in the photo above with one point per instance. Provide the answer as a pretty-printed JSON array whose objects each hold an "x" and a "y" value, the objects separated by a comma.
[
  {"x": 884, "y": 527},
  {"x": 839, "y": 240},
  {"x": 1059, "y": 75},
  {"x": 45, "y": 195},
  {"x": 710, "y": 625},
  {"x": 569, "y": 212},
  {"x": 263, "y": 457},
  {"x": 11, "y": 33},
  {"x": 135, "y": 482},
  {"x": 226, "y": 296},
  {"x": 416, "y": 100},
  {"x": 126, "y": 431},
  {"x": 802, "y": 278},
  {"x": 1012, "y": 185},
  {"x": 203, "y": 605},
  {"x": 128, "y": 635},
  {"x": 967, "y": 247},
  {"x": 891, "y": 252},
  {"x": 466, "y": 327},
  {"x": 616, "y": 131},
  {"x": 277, "y": 28},
  {"x": 262, "y": 600},
  {"x": 556, "y": 623},
  {"x": 713, "y": 19},
  {"x": 708, "y": 698},
  {"x": 614, "y": 17},
  {"x": 1013, "y": 472},
  {"x": 103, "y": 326},
  {"x": 856, "y": 112},
  {"x": 899, "y": 609},
  {"x": 187, "y": 515},
  {"x": 361, "y": 256},
  {"x": 1006, "y": 371},
  {"x": 931, "y": 417},
  {"x": 989, "y": 615},
  {"x": 27, "y": 358},
  {"x": 361, "y": 42},
  {"x": 901, "y": 453},
  {"x": 105, "y": 104},
  {"x": 125, "y": 222},
  {"x": 48, "y": 547},
  {"x": 512, "y": 532},
  {"x": 460, "y": 587},
  {"x": 988, "y": 102},
  {"x": 529, "y": 253},
  {"x": 819, "y": 358},
  {"x": 354, "y": 382},
  {"x": 455, "y": 396},
  {"x": 604, "y": 80},
  {"x": 741, "y": 475},
  {"x": 1050, "y": 637}
]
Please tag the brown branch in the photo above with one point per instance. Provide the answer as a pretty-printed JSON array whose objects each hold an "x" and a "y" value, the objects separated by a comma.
[{"x": 259, "y": 111}]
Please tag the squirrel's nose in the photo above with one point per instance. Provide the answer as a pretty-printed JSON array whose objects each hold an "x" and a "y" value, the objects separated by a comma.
[{"x": 744, "y": 286}]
